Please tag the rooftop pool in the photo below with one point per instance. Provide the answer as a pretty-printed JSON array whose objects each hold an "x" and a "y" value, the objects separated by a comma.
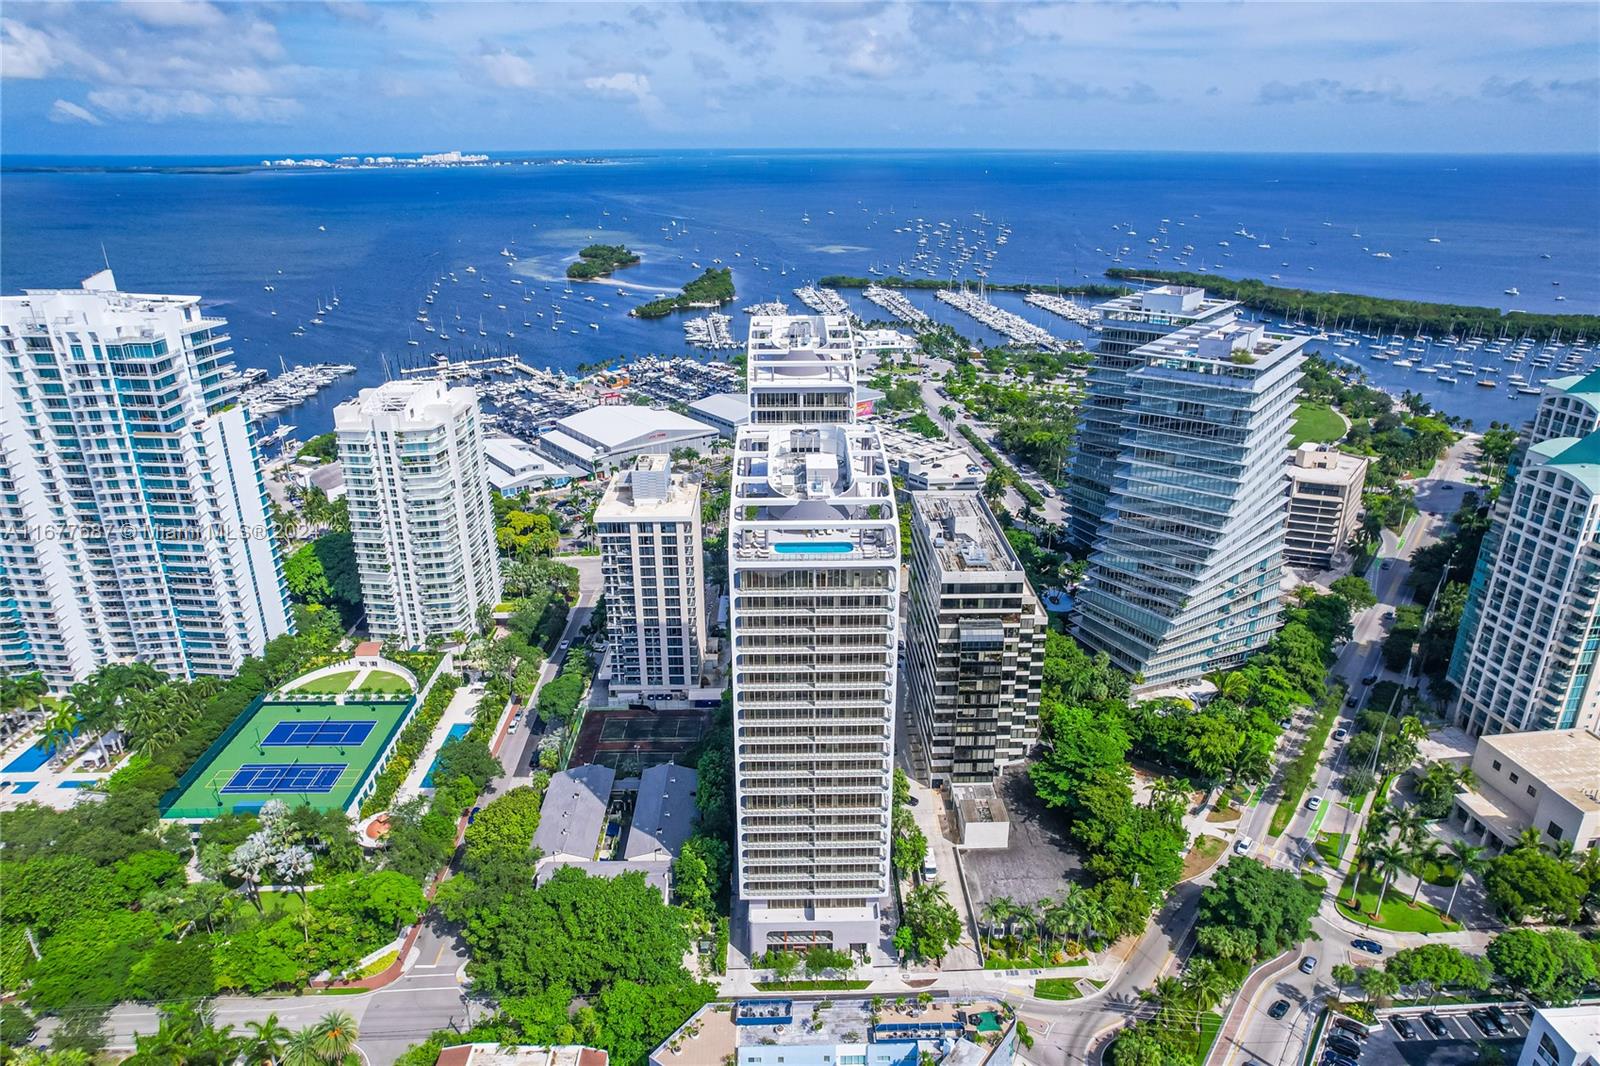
[{"x": 821, "y": 547}]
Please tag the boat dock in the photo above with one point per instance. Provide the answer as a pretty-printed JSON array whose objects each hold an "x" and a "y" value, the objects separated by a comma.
[
  {"x": 823, "y": 301},
  {"x": 711, "y": 332},
  {"x": 897, "y": 305},
  {"x": 291, "y": 388},
  {"x": 1087, "y": 317},
  {"x": 1014, "y": 327}
]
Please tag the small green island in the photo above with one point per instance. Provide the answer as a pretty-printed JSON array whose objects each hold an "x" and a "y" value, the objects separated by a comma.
[
  {"x": 711, "y": 289},
  {"x": 600, "y": 260}
]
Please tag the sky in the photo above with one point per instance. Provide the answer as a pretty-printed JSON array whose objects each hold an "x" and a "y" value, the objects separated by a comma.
[{"x": 206, "y": 78}]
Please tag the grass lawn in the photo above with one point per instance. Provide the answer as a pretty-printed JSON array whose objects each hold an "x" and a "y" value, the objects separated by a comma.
[
  {"x": 384, "y": 681},
  {"x": 1225, "y": 814},
  {"x": 1058, "y": 988},
  {"x": 1398, "y": 915},
  {"x": 1316, "y": 422},
  {"x": 1210, "y": 1026},
  {"x": 1204, "y": 852},
  {"x": 332, "y": 684},
  {"x": 278, "y": 904}
]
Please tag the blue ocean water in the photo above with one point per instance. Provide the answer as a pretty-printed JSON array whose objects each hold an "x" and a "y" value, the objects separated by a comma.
[{"x": 379, "y": 238}]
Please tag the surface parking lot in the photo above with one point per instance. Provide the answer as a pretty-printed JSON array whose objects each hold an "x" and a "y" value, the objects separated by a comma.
[{"x": 1462, "y": 1043}]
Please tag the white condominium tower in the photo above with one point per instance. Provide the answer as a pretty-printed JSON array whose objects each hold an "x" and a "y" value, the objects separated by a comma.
[
  {"x": 1128, "y": 323},
  {"x": 1524, "y": 654},
  {"x": 976, "y": 640},
  {"x": 1186, "y": 574},
  {"x": 420, "y": 516},
  {"x": 814, "y": 573},
  {"x": 649, "y": 528},
  {"x": 133, "y": 518}
]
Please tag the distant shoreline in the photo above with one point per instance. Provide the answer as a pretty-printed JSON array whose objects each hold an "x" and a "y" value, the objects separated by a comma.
[{"x": 330, "y": 166}]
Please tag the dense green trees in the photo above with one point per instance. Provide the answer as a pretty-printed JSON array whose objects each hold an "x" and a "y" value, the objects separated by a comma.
[
  {"x": 1271, "y": 908},
  {"x": 600, "y": 261},
  {"x": 711, "y": 289},
  {"x": 1552, "y": 966},
  {"x": 1529, "y": 882},
  {"x": 323, "y": 572}
]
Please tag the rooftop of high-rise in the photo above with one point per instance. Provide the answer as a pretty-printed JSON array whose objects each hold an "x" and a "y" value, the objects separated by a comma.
[
  {"x": 1165, "y": 304},
  {"x": 1230, "y": 348},
  {"x": 650, "y": 491},
  {"x": 415, "y": 399},
  {"x": 966, "y": 538},
  {"x": 800, "y": 349},
  {"x": 827, "y": 486}
]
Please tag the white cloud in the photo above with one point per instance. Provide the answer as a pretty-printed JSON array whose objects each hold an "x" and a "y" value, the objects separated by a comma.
[
  {"x": 165, "y": 106},
  {"x": 633, "y": 86},
  {"x": 508, "y": 70},
  {"x": 872, "y": 57},
  {"x": 175, "y": 13},
  {"x": 65, "y": 111}
]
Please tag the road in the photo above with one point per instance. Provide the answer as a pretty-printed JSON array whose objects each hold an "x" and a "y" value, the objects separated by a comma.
[{"x": 1261, "y": 1038}]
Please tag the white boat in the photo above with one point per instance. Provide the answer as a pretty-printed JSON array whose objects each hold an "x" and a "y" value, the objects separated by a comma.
[{"x": 1513, "y": 291}]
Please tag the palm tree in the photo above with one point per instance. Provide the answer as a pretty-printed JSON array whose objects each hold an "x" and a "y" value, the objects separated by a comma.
[
  {"x": 1230, "y": 684},
  {"x": 1468, "y": 859},
  {"x": 248, "y": 862},
  {"x": 1423, "y": 854},
  {"x": 996, "y": 913},
  {"x": 1167, "y": 993},
  {"x": 1529, "y": 838},
  {"x": 1388, "y": 859},
  {"x": 1343, "y": 974},
  {"x": 1206, "y": 986},
  {"x": 336, "y": 1035},
  {"x": 1411, "y": 824},
  {"x": 302, "y": 1049},
  {"x": 60, "y": 725}
]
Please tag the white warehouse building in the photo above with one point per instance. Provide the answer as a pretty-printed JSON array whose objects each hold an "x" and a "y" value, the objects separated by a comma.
[{"x": 602, "y": 439}]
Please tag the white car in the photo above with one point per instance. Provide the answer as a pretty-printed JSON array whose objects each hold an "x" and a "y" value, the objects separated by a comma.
[
  {"x": 1242, "y": 845},
  {"x": 1313, "y": 803}
]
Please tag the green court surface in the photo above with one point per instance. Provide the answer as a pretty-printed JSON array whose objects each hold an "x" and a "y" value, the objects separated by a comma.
[
  {"x": 206, "y": 792},
  {"x": 384, "y": 681},
  {"x": 333, "y": 683}
]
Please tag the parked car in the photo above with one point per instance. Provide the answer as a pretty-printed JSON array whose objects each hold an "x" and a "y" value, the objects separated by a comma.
[
  {"x": 1343, "y": 1045},
  {"x": 1371, "y": 947},
  {"x": 1329, "y": 1058},
  {"x": 1353, "y": 1027},
  {"x": 1308, "y": 964},
  {"x": 1242, "y": 845},
  {"x": 1385, "y": 565},
  {"x": 563, "y": 645},
  {"x": 1485, "y": 1022},
  {"x": 472, "y": 815},
  {"x": 1370, "y": 679},
  {"x": 1278, "y": 1009},
  {"x": 1285, "y": 723},
  {"x": 1352, "y": 701},
  {"x": 1501, "y": 1018},
  {"x": 1339, "y": 735},
  {"x": 1435, "y": 1024},
  {"x": 1404, "y": 1027}
]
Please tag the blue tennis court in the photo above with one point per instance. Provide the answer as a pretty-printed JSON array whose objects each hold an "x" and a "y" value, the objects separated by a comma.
[
  {"x": 285, "y": 777},
  {"x": 325, "y": 734}
]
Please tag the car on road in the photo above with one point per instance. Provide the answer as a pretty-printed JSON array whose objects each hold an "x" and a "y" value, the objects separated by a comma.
[
  {"x": 1371, "y": 947},
  {"x": 1386, "y": 565},
  {"x": 1435, "y": 1024},
  {"x": 1313, "y": 803},
  {"x": 1278, "y": 1009},
  {"x": 1404, "y": 1027},
  {"x": 1370, "y": 679},
  {"x": 1242, "y": 845},
  {"x": 1352, "y": 702},
  {"x": 1308, "y": 964},
  {"x": 1285, "y": 723},
  {"x": 1340, "y": 734},
  {"x": 1343, "y": 1045},
  {"x": 563, "y": 645}
]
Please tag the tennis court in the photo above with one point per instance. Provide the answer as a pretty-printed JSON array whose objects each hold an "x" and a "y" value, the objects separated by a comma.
[{"x": 315, "y": 754}]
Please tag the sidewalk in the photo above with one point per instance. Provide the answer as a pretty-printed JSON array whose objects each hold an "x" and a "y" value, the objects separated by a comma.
[{"x": 460, "y": 711}]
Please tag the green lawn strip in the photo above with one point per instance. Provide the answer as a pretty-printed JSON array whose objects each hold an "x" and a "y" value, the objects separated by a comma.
[
  {"x": 1316, "y": 1036},
  {"x": 1210, "y": 1026},
  {"x": 329, "y": 685},
  {"x": 1331, "y": 847},
  {"x": 384, "y": 681},
  {"x": 1057, "y": 988},
  {"x": 1027, "y": 491},
  {"x": 1317, "y": 423},
  {"x": 1397, "y": 916},
  {"x": 1304, "y": 767},
  {"x": 811, "y": 986}
]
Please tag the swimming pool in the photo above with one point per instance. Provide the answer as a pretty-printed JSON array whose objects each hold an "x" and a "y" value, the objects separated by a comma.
[
  {"x": 806, "y": 547},
  {"x": 23, "y": 786},
  {"x": 458, "y": 730},
  {"x": 31, "y": 759},
  {"x": 74, "y": 784}
]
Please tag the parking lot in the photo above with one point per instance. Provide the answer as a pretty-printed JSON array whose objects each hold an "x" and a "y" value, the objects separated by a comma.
[{"x": 1460, "y": 1042}]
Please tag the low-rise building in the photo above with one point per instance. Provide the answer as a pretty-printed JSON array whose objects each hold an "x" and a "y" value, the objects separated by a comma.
[
  {"x": 514, "y": 466},
  {"x": 521, "y": 1055},
  {"x": 928, "y": 464},
  {"x": 664, "y": 813},
  {"x": 1563, "y": 1036},
  {"x": 724, "y": 411},
  {"x": 575, "y": 813},
  {"x": 1324, "y": 500},
  {"x": 1545, "y": 779},
  {"x": 604, "y": 438},
  {"x": 885, "y": 343}
]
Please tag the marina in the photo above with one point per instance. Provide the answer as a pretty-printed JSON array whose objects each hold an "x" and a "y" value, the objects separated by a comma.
[
  {"x": 1018, "y": 329},
  {"x": 292, "y": 388},
  {"x": 897, "y": 305},
  {"x": 1087, "y": 317},
  {"x": 711, "y": 332},
  {"x": 823, "y": 301}
]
